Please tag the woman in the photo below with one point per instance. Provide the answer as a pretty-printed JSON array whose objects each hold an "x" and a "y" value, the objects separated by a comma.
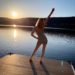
[{"x": 42, "y": 40}]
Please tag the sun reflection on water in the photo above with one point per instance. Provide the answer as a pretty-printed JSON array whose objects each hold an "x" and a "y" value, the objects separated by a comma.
[
  {"x": 14, "y": 25},
  {"x": 15, "y": 34}
]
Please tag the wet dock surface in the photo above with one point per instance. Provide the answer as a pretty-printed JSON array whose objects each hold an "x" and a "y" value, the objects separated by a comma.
[{"x": 19, "y": 65}]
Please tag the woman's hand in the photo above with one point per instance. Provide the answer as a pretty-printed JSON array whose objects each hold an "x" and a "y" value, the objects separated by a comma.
[
  {"x": 51, "y": 12},
  {"x": 45, "y": 22},
  {"x": 36, "y": 37}
]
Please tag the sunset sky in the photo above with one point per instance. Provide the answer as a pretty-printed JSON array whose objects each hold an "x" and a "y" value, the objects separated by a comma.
[{"x": 36, "y": 8}]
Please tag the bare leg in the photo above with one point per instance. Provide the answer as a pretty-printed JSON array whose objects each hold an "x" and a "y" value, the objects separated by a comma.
[
  {"x": 36, "y": 48},
  {"x": 43, "y": 51}
]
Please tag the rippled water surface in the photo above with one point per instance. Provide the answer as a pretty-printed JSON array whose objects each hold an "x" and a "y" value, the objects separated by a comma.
[{"x": 60, "y": 46}]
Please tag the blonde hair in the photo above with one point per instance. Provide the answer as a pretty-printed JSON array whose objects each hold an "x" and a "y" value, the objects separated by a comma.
[{"x": 38, "y": 23}]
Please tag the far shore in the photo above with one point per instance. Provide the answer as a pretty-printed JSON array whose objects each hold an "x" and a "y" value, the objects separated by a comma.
[{"x": 47, "y": 29}]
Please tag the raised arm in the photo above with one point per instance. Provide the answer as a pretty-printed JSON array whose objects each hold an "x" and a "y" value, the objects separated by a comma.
[
  {"x": 51, "y": 12},
  {"x": 49, "y": 15}
]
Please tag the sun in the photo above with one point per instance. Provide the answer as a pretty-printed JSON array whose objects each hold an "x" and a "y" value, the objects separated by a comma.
[{"x": 14, "y": 14}]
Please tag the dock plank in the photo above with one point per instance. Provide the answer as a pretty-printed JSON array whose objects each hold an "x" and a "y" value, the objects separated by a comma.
[{"x": 19, "y": 65}]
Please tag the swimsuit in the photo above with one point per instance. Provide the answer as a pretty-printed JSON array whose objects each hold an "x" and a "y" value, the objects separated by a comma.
[{"x": 42, "y": 38}]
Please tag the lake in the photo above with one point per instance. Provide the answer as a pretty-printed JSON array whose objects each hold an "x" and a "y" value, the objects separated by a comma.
[{"x": 16, "y": 40}]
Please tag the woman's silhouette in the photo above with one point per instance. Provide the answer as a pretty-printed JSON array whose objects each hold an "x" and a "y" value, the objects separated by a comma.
[{"x": 39, "y": 30}]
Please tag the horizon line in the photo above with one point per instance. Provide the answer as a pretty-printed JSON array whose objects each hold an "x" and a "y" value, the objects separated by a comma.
[{"x": 40, "y": 17}]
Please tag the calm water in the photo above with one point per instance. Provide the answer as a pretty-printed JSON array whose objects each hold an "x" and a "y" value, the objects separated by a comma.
[{"x": 60, "y": 46}]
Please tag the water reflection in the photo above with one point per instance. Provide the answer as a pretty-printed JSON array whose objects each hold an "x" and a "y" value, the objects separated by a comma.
[
  {"x": 14, "y": 25},
  {"x": 15, "y": 34},
  {"x": 20, "y": 41}
]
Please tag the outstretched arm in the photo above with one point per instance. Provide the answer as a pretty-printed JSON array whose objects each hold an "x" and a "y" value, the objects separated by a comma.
[{"x": 49, "y": 15}]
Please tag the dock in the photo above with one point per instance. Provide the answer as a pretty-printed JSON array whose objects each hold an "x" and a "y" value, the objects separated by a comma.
[{"x": 16, "y": 64}]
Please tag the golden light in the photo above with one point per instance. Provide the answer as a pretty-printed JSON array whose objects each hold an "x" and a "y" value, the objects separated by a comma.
[
  {"x": 14, "y": 14},
  {"x": 14, "y": 25},
  {"x": 15, "y": 34}
]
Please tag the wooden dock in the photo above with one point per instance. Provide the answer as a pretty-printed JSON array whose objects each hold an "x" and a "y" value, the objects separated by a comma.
[{"x": 19, "y": 65}]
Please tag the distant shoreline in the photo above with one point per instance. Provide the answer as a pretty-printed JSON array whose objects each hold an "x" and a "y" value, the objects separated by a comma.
[
  {"x": 47, "y": 29},
  {"x": 53, "y": 22}
]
